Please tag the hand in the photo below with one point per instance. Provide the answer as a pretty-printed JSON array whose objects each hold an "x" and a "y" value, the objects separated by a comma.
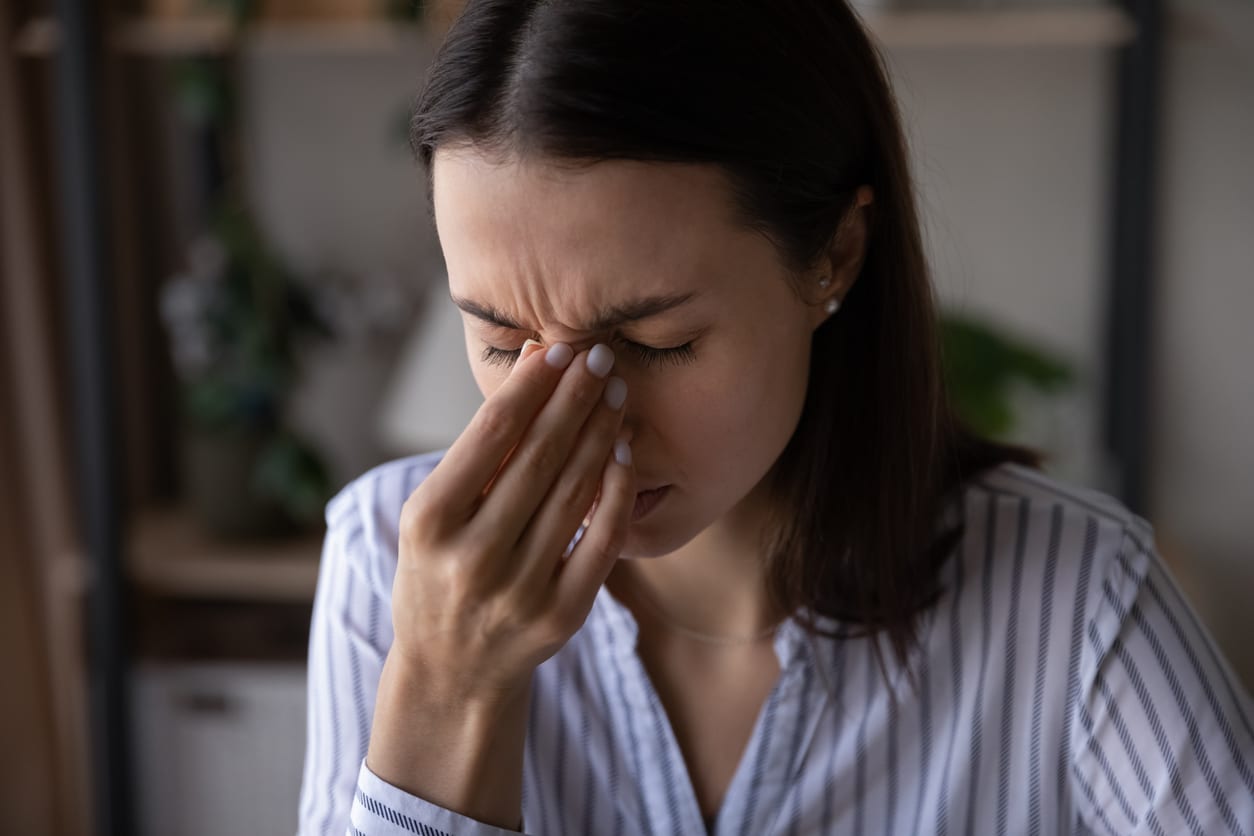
[{"x": 482, "y": 593}]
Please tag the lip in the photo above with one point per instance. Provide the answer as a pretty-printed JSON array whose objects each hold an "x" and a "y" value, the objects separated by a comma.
[{"x": 647, "y": 500}]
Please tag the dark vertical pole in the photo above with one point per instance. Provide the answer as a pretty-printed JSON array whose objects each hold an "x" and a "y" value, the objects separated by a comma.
[
  {"x": 90, "y": 354},
  {"x": 1129, "y": 337}
]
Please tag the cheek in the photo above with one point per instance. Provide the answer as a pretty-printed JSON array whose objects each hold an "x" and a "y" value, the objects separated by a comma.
[
  {"x": 693, "y": 415},
  {"x": 488, "y": 377},
  {"x": 726, "y": 414}
]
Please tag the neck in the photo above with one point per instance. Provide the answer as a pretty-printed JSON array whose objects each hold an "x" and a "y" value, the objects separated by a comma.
[{"x": 714, "y": 584}]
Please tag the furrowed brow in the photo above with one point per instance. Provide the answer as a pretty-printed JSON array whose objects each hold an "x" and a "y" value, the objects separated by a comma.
[{"x": 612, "y": 317}]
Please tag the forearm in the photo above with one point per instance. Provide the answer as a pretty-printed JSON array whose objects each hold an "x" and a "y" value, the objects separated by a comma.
[{"x": 463, "y": 754}]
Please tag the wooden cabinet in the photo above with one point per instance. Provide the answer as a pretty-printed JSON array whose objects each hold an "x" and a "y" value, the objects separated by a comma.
[{"x": 219, "y": 748}]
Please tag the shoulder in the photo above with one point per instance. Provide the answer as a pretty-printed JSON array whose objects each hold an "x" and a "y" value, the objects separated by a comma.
[
  {"x": 1041, "y": 519},
  {"x": 366, "y": 512},
  {"x": 1047, "y": 550},
  {"x": 1040, "y": 492}
]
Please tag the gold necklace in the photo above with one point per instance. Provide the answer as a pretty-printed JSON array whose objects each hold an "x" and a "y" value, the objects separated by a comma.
[{"x": 697, "y": 634}]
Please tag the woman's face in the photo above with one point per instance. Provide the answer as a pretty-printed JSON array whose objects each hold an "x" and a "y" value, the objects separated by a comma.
[{"x": 715, "y": 383}]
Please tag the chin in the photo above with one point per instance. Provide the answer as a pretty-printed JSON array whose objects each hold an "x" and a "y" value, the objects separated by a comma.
[{"x": 647, "y": 539}]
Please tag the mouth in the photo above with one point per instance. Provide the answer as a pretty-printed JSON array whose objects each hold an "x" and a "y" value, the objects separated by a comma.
[{"x": 647, "y": 500}]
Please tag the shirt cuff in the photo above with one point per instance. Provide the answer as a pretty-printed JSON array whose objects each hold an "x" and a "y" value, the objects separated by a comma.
[{"x": 380, "y": 809}]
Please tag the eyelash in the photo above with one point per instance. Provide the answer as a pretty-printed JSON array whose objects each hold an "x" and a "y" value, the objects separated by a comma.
[{"x": 649, "y": 356}]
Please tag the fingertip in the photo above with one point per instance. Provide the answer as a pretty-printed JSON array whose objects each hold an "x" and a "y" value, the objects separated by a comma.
[
  {"x": 528, "y": 348},
  {"x": 622, "y": 452}
]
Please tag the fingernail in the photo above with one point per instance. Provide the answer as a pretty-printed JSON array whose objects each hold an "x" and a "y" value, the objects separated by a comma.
[
  {"x": 622, "y": 452},
  {"x": 615, "y": 392},
  {"x": 530, "y": 347},
  {"x": 600, "y": 360},
  {"x": 559, "y": 356}
]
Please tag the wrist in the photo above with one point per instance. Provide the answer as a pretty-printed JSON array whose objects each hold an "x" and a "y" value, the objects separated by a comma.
[{"x": 455, "y": 747}]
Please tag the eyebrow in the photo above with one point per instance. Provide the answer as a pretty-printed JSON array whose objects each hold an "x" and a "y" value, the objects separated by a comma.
[{"x": 612, "y": 317}]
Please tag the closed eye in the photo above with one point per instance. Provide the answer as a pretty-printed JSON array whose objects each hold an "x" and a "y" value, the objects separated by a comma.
[{"x": 647, "y": 355}]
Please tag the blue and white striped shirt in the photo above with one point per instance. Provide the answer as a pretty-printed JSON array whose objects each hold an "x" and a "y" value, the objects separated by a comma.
[{"x": 1063, "y": 685}]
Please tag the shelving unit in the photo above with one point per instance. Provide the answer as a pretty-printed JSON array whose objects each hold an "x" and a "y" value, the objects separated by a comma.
[
  {"x": 169, "y": 555},
  {"x": 965, "y": 28},
  {"x": 1094, "y": 26}
]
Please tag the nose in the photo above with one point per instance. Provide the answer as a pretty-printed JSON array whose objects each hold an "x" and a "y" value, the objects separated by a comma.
[{"x": 578, "y": 346}]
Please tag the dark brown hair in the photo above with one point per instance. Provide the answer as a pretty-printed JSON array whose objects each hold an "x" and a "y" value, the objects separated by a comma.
[{"x": 791, "y": 99}]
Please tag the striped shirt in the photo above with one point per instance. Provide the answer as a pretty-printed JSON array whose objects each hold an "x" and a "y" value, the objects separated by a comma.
[{"x": 1061, "y": 685}]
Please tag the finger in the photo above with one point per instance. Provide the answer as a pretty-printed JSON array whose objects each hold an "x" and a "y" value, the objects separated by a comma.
[
  {"x": 570, "y": 498},
  {"x": 528, "y": 348},
  {"x": 542, "y": 453},
  {"x": 581, "y": 576},
  {"x": 457, "y": 484}
]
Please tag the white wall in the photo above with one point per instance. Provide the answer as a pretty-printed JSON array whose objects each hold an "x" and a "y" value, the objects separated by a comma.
[
  {"x": 1203, "y": 491},
  {"x": 1009, "y": 151}
]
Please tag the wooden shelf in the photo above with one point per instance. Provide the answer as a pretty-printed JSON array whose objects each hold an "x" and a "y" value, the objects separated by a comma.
[
  {"x": 173, "y": 38},
  {"x": 170, "y": 555},
  {"x": 1043, "y": 26}
]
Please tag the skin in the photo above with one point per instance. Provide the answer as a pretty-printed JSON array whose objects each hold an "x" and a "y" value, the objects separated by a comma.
[
  {"x": 550, "y": 246},
  {"x": 482, "y": 594}
]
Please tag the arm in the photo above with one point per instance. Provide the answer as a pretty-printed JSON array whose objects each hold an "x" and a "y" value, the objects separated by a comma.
[
  {"x": 349, "y": 690},
  {"x": 486, "y": 587},
  {"x": 1164, "y": 729},
  {"x": 461, "y": 752}
]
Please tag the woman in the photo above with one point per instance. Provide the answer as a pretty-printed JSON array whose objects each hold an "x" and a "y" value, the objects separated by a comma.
[{"x": 715, "y": 555}]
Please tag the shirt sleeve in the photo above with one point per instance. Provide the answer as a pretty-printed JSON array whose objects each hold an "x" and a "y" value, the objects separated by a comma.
[
  {"x": 380, "y": 809},
  {"x": 349, "y": 635},
  {"x": 1164, "y": 742}
]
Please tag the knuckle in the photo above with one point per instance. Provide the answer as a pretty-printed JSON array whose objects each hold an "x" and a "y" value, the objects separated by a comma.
[
  {"x": 607, "y": 548},
  {"x": 553, "y": 630},
  {"x": 458, "y": 583},
  {"x": 496, "y": 424},
  {"x": 415, "y": 518},
  {"x": 543, "y": 456},
  {"x": 585, "y": 389},
  {"x": 578, "y": 489},
  {"x": 421, "y": 516}
]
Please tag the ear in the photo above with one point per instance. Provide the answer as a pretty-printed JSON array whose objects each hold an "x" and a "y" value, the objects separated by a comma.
[{"x": 842, "y": 263}]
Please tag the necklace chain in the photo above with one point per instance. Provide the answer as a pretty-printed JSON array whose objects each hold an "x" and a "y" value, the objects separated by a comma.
[{"x": 697, "y": 634}]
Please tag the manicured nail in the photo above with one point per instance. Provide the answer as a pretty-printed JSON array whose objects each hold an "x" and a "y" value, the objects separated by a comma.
[
  {"x": 622, "y": 452},
  {"x": 615, "y": 392},
  {"x": 600, "y": 360},
  {"x": 559, "y": 356},
  {"x": 529, "y": 348}
]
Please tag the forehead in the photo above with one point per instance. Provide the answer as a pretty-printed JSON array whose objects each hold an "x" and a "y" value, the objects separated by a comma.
[
  {"x": 470, "y": 186},
  {"x": 515, "y": 231}
]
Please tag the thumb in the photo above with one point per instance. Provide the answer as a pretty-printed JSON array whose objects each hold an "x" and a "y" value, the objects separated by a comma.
[{"x": 528, "y": 348}]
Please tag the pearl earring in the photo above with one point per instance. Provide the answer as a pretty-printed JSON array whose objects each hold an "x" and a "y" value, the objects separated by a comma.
[{"x": 833, "y": 304}]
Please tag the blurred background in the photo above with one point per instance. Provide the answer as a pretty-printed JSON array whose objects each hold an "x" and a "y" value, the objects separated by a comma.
[{"x": 221, "y": 299}]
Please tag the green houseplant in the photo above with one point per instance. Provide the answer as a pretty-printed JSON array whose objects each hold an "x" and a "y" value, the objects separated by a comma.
[
  {"x": 236, "y": 318},
  {"x": 983, "y": 367}
]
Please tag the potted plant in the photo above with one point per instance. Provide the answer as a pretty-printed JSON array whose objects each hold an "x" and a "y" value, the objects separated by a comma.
[
  {"x": 984, "y": 366},
  {"x": 235, "y": 319}
]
